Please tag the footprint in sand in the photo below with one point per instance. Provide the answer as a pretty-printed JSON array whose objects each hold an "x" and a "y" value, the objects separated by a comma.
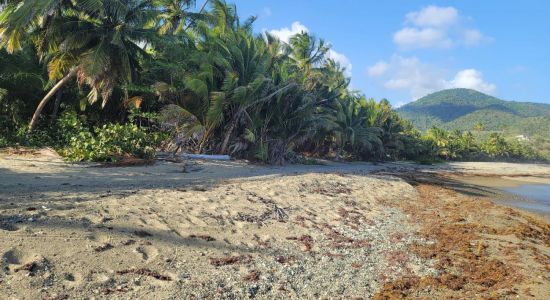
[
  {"x": 72, "y": 279},
  {"x": 15, "y": 260},
  {"x": 100, "y": 238},
  {"x": 147, "y": 252},
  {"x": 158, "y": 224}
]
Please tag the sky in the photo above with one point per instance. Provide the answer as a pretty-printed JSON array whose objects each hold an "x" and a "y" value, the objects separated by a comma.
[{"x": 403, "y": 50}]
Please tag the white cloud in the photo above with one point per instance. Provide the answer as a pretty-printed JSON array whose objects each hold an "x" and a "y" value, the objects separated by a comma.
[
  {"x": 433, "y": 16},
  {"x": 414, "y": 76},
  {"x": 419, "y": 78},
  {"x": 436, "y": 27},
  {"x": 342, "y": 60},
  {"x": 472, "y": 79},
  {"x": 473, "y": 37},
  {"x": 285, "y": 33},
  {"x": 411, "y": 38},
  {"x": 378, "y": 69}
]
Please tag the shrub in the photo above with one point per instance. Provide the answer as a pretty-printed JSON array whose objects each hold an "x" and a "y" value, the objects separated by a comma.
[
  {"x": 105, "y": 143},
  {"x": 40, "y": 137},
  {"x": 3, "y": 142}
]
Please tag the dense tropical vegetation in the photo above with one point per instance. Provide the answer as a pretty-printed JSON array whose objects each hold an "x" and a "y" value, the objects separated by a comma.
[
  {"x": 99, "y": 79},
  {"x": 469, "y": 110}
]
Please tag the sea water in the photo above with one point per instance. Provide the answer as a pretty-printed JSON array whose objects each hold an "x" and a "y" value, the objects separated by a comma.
[{"x": 537, "y": 197}]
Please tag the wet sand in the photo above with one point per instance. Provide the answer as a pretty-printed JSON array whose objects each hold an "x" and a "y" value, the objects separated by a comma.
[{"x": 524, "y": 192}]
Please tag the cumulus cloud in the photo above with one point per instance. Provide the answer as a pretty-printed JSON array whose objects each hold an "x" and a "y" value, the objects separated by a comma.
[
  {"x": 436, "y": 27},
  {"x": 342, "y": 60},
  {"x": 414, "y": 76},
  {"x": 419, "y": 78},
  {"x": 472, "y": 79},
  {"x": 473, "y": 37},
  {"x": 378, "y": 69},
  {"x": 410, "y": 37},
  {"x": 433, "y": 16},
  {"x": 285, "y": 33}
]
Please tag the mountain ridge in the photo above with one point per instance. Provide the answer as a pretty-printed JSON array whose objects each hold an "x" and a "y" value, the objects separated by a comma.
[{"x": 464, "y": 109}]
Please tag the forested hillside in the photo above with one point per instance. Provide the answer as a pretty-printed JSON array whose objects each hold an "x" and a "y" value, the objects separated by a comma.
[{"x": 466, "y": 109}]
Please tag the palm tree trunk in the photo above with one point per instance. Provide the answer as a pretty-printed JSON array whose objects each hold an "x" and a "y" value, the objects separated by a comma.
[
  {"x": 228, "y": 135},
  {"x": 200, "y": 11},
  {"x": 203, "y": 6},
  {"x": 48, "y": 96},
  {"x": 56, "y": 104}
]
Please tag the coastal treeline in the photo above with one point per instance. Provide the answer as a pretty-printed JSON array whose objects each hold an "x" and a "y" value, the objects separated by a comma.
[{"x": 101, "y": 79}]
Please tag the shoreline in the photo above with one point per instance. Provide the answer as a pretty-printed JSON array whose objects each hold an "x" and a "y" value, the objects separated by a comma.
[{"x": 505, "y": 191}]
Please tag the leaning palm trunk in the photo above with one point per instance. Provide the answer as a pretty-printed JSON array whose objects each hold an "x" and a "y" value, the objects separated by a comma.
[
  {"x": 56, "y": 104},
  {"x": 228, "y": 133},
  {"x": 48, "y": 96}
]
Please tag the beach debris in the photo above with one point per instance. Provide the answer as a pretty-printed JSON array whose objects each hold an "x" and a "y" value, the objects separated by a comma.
[
  {"x": 274, "y": 213},
  {"x": 306, "y": 240},
  {"x": 202, "y": 237},
  {"x": 279, "y": 213},
  {"x": 145, "y": 272},
  {"x": 103, "y": 247},
  {"x": 206, "y": 156},
  {"x": 254, "y": 275},
  {"x": 285, "y": 259},
  {"x": 57, "y": 297},
  {"x": 230, "y": 260},
  {"x": 142, "y": 233},
  {"x": 252, "y": 291},
  {"x": 126, "y": 161},
  {"x": 199, "y": 188},
  {"x": 118, "y": 289},
  {"x": 339, "y": 241},
  {"x": 172, "y": 157},
  {"x": 129, "y": 242},
  {"x": 31, "y": 266}
]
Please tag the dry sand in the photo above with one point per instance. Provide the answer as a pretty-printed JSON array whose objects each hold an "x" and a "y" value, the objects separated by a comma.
[{"x": 234, "y": 230}]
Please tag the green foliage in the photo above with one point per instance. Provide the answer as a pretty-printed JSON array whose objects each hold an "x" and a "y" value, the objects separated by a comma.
[
  {"x": 458, "y": 145},
  {"x": 469, "y": 110},
  {"x": 3, "y": 142},
  {"x": 104, "y": 143},
  {"x": 309, "y": 161},
  {"x": 211, "y": 85}
]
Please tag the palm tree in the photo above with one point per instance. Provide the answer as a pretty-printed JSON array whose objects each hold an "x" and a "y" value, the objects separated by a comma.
[
  {"x": 353, "y": 130},
  {"x": 308, "y": 54},
  {"x": 236, "y": 71},
  {"x": 97, "y": 42},
  {"x": 175, "y": 16},
  {"x": 22, "y": 78},
  {"x": 441, "y": 139}
]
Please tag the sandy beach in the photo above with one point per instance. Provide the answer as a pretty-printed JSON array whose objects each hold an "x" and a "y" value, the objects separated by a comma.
[{"x": 229, "y": 229}]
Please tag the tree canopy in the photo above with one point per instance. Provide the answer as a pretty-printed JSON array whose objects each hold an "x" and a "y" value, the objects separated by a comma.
[{"x": 198, "y": 78}]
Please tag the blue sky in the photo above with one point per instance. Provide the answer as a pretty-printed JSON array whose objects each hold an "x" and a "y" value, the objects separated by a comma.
[{"x": 402, "y": 50}]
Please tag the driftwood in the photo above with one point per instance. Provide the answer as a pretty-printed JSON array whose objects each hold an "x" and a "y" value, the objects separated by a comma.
[{"x": 165, "y": 156}]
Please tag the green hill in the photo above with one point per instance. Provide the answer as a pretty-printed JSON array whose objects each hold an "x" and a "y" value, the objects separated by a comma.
[{"x": 463, "y": 109}]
